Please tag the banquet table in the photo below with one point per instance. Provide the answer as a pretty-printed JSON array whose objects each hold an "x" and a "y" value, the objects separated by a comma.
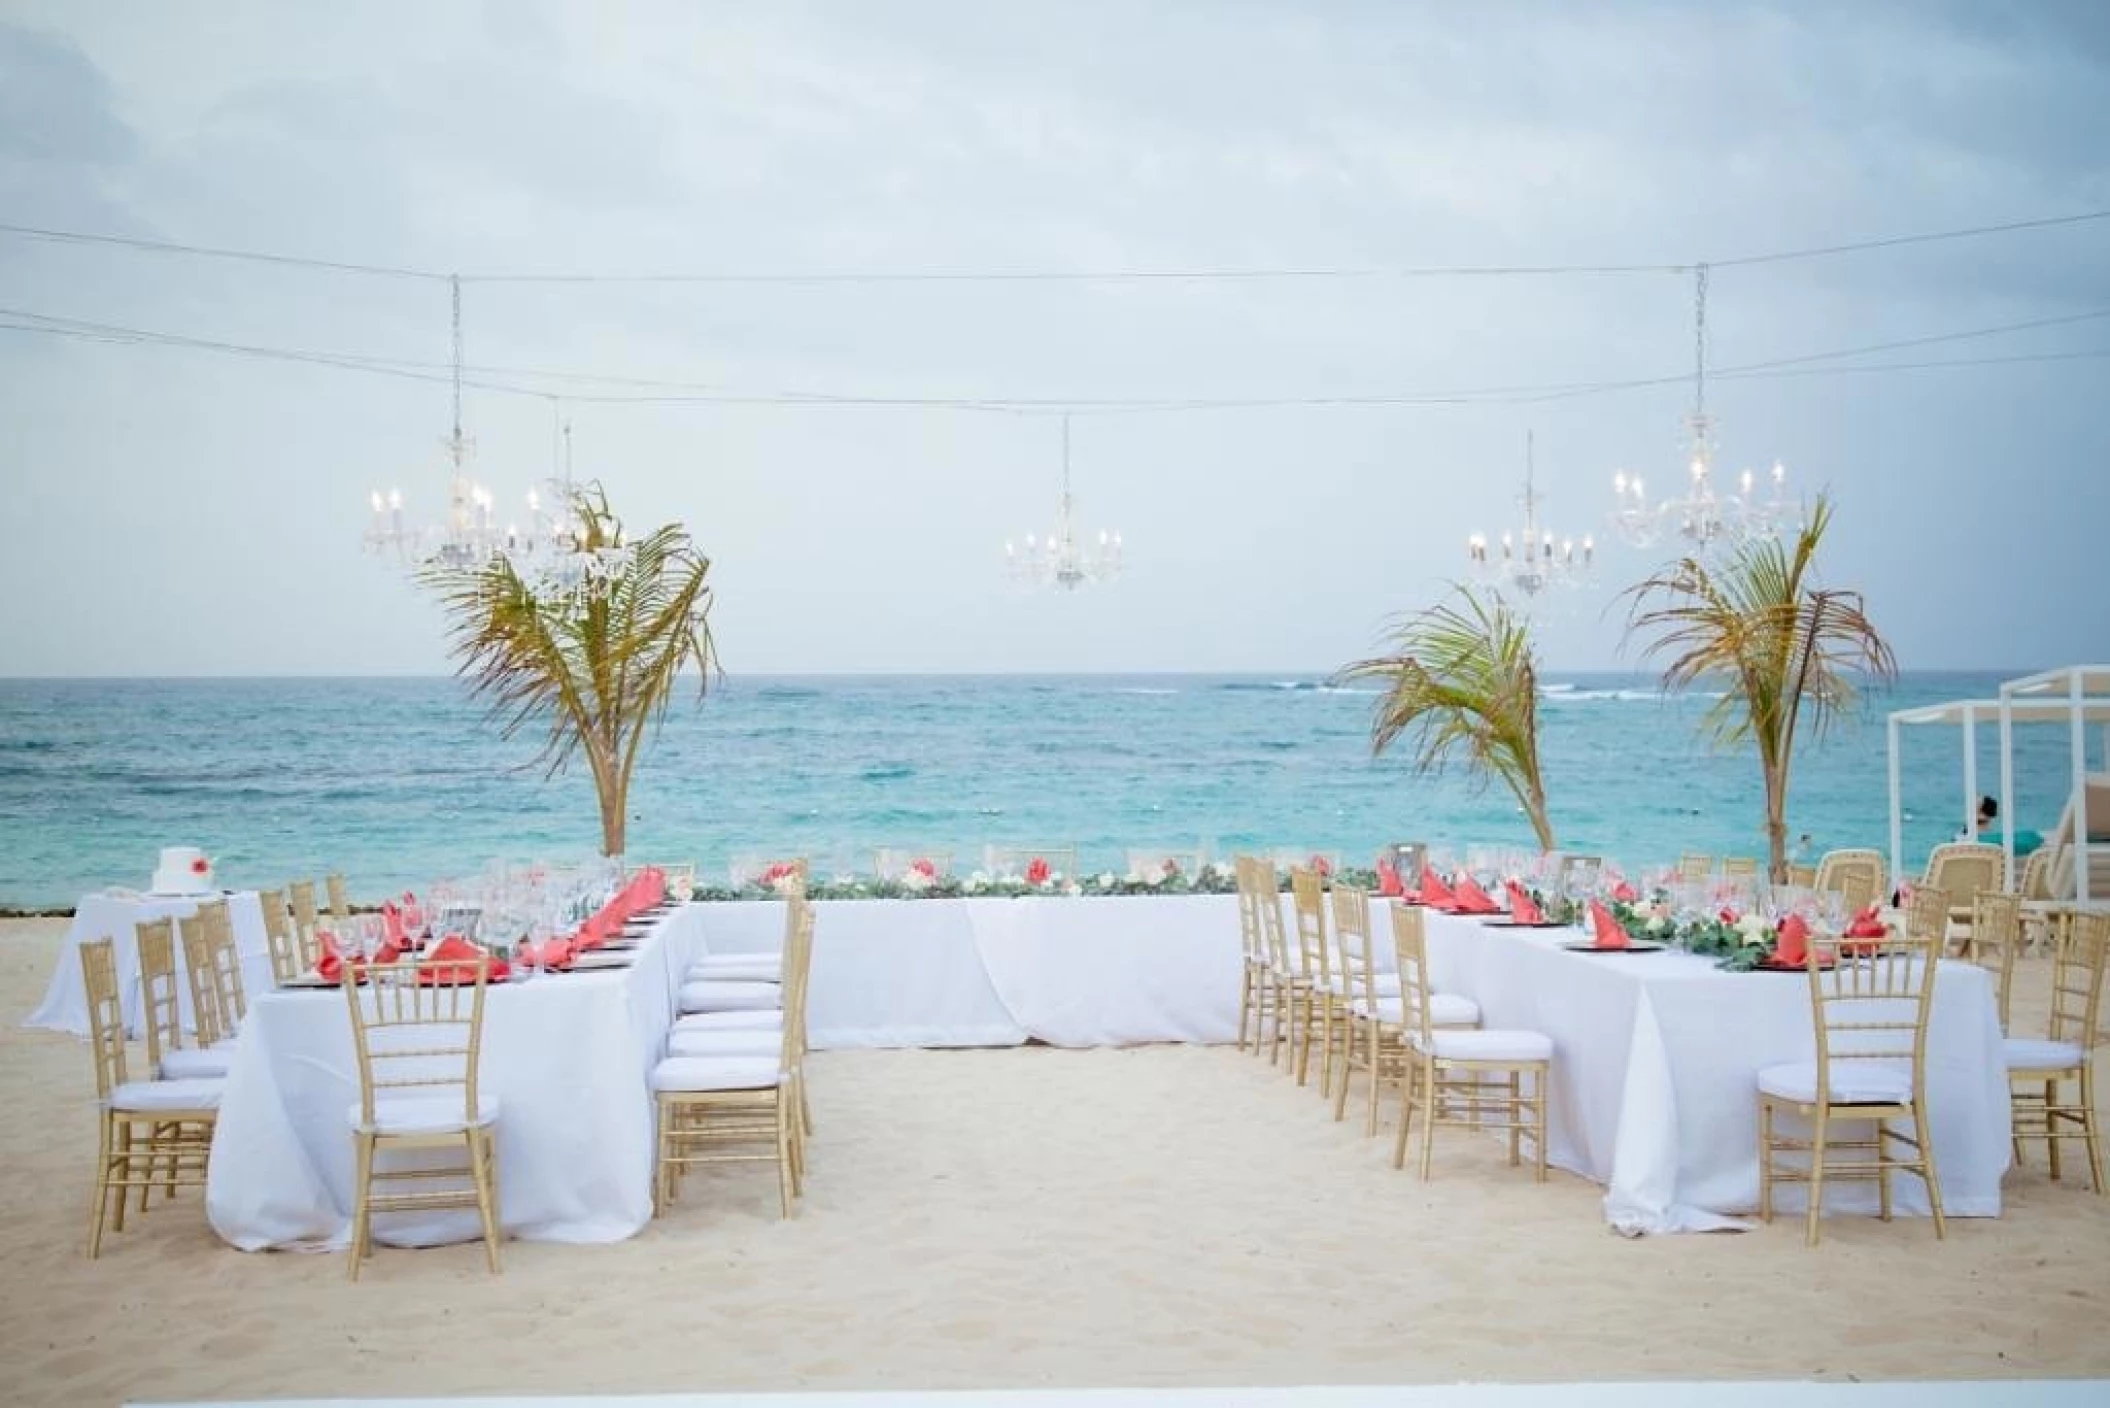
[
  {"x": 567, "y": 1055},
  {"x": 117, "y": 916},
  {"x": 1656, "y": 1060}
]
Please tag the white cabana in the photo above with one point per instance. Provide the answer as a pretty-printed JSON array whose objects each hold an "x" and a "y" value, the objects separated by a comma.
[
  {"x": 1967, "y": 715},
  {"x": 2078, "y": 695}
]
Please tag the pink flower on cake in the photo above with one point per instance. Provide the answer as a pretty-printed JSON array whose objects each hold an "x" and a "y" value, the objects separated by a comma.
[
  {"x": 201, "y": 866},
  {"x": 1037, "y": 872}
]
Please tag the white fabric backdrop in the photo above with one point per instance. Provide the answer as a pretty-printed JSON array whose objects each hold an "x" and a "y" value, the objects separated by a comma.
[
  {"x": 567, "y": 1055},
  {"x": 65, "y": 1005}
]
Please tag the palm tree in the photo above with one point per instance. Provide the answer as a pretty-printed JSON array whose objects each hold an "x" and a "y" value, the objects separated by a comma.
[
  {"x": 597, "y": 667},
  {"x": 1464, "y": 676},
  {"x": 1783, "y": 650}
]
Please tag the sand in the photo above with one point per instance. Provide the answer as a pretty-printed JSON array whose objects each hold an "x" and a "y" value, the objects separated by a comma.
[{"x": 1027, "y": 1218}]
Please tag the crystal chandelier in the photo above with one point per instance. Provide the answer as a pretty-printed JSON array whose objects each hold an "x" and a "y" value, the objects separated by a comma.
[
  {"x": 1061, "y": 560},
  {"x": 1532, "y": 562},
  {"x": 548, "y": 555},
  {"x": 1702, "y": 519}
]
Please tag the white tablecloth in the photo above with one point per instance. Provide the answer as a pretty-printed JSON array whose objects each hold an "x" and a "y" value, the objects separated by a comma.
[
  {"x": 1655, "y": 1069},
  {"x": 567, "y": 1055},
  {"x": 65, "y": 1005},
  {"x": 996, "y": 972}
]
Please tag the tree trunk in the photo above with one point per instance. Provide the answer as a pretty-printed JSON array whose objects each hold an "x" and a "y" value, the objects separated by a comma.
[
  {"x": 609, "y": 786},
  {"x": 1777, "y": 822},
  {"x": 1533, "y": 800}
]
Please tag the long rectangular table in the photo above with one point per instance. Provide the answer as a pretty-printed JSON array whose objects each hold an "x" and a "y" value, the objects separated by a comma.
[
  {"x": 65, "y": 1004},
  {"x": 567, "y": 1055},
  {"x": 1656, "y": 1055}
]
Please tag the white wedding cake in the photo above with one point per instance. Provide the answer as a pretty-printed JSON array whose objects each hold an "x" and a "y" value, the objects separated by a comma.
[{"x": 184, "y": 870}]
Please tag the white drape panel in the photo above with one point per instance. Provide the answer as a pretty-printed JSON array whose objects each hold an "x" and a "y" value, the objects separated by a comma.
[
  {"x": 567, "y": 1057},
  {"x": 65, "y": 1004},
  {"x": 1655, "y": 1073}
]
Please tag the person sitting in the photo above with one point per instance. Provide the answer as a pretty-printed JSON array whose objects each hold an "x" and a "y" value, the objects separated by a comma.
[{"x": 1986, "y": 829}]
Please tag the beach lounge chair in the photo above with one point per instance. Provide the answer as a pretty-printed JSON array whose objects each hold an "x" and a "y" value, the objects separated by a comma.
[
  {"x": 1444, "y": 1071},
  {"x": 1855, "y": 875},
  {"x": 1962, "y": 869},
  {"x": 1870, "y": 1017}
]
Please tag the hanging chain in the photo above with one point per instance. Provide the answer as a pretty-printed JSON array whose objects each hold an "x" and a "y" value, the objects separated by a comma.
[
  {"x": 1699, "y": 341},
  {"x": 455, "y": 283}
]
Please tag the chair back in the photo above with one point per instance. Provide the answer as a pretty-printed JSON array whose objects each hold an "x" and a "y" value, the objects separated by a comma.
[
  {"x": 1873, "y": 1006},
  {"x": 106, "y": 1014},
  {"x": 1693, "y": 865},
  {"x": 1739, "y": 867},
  {"x": 2077, "y": 981},
  {"x": 1927, "y": 914},
  {"x": 1410, "y": 946},
  {"x": 798, "y": 968},
  {"x": 279, "y": 938},
  {"x": 1012, "y": 862},
  {"x": 1267, "y": 908},
  {"x": 206, "y": 1018},
  {"x": 1996, "y": 936},
  {"x": 1249, "y": 939},
  {"x": 1857, "y": 875},
  {"x": 1351, "y": 935},
  {"x": 1307, "y": 890},
  {"x": 158, "y": 988},
  {"x": 2035, "y": 883},
  {"x": 340, "y": 904},
  {"x": 413, "y": 1034},
  {"x": 300, "y": 894},
  {"x": 230, "y": 1001},
  {"x": 1966, "y": 867}
]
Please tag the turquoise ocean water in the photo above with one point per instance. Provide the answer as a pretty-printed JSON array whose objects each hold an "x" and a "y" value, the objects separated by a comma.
[{"x": 399, "y": 781}]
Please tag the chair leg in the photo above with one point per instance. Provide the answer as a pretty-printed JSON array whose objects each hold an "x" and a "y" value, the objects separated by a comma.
[
  {"x": 1516, "y": 1118},
  {"x": 1540, "y": 1077},
  {"x": 805, "y": 1105},
  {"x": 1407, "y": 1081},
  {"x": 1331, "y": 1015},
  {"x": 101, "y": 1208},
  {"x": 1883, "y": 1170},
  {"x": 2090, "y": 1139},
  {"x": 1340, "y": 1092},
  {"x": 483, "y": 1164},
  {"x": 121, "y": 1162},
  {"x": 362, "y": 1209},
  {"x": 1431, "y": 1106},
  {"x": 2051, "y": 1135},
  {"x": 1377, "y": 1068},
  {"x": 783, "y": 1155},
  {"x": 1245, "y": 1004},
  {"x": 1927, "y": 1170},
  {"x": 1819, "y": 1131},
  {"x": 1765, "y": 1160}
]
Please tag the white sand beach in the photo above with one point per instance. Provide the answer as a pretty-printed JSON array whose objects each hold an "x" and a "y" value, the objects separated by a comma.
[{"x": 1027, "y": 1218}]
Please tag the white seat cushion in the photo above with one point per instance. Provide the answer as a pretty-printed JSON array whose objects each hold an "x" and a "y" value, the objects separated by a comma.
[
  {"x": 1446, "y": 1009},
  {"x": 1497, "y": 1045},
  {"x": 2024, "y": 1053},
  {"x": 738, "y": 967},
  {"x": 189, "y": 1063},
  {"x": 725, "y": 1043},
  {"x": 150, "y": 1096},
  {"x": 1387, "y": 985},
  {"x": 727, "y": 995},
  {"x": 750, "y": 1020},
  {"x": 1853, "y": 1082},
  {"x": 424, "y": 1114},
  {"x": 717, "y": 1073}
]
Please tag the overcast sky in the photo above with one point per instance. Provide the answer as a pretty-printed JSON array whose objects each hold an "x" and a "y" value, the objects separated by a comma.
[{"x": 176, "y": 511}]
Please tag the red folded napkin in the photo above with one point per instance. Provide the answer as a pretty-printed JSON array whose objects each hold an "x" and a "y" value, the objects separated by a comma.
[
  {"x": 1474, "y": 900},
  {"x": 555, "y": 953},
  {"x": 1792, "y": 949},
  {"x": 1522, "y": 908},
  {"x": 329, "y": 967},
  {"x": 392, "y": 924},
  {"x": 1868, "y": 924},
  {"x": 1434, "y": 891},
  {"x": 1624, "y": 893},
  {"x": 1609, "y": 934},
  {"x": 455, "y": 960},
  {"x": 1388, "y": 880}
]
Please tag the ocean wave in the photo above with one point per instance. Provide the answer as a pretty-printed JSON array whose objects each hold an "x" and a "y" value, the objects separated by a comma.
[
  {"x": 1139, "y": 690},
  {"x": 1293, "y": 687},
  {"x": 887, "y": 772}
]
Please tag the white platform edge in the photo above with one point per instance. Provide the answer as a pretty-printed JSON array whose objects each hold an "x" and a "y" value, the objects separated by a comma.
[{"x": 2049, "y": 1393}]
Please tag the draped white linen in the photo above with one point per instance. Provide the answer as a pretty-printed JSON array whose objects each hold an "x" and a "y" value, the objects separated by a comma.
[
  {"x": 65, "y": 1004},
  {"x": 567, "y": 1056}
]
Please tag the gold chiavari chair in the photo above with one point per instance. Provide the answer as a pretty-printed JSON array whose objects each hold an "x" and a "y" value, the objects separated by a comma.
[
  {"x": 208, "y": 1022},
  {"x": 1255, "y": 990},
  {"x": 279, "y": 937},
  {"x": 340, "y": 903},
  {"x": 1446, "y": 1069},
  {"x": 167, "y": 1056},
  {"x": 751, "y": 1031},
  {"x": 1320, "y": 1002},
  {"x": 300, "y": 894},
  {"x": 1739, "y": 868},
  {"x": 1996, "y": 937},
  {"x": 2038, "y": 1069},
  {"x": 154, "y": 1133},
  {"x": 1289, "y": 986},
  {"x": 1695, "y": 866},
  {"x": 230, "y": 1001},
  {"x": 716, "y": 1108},
  {"x": 417, "y": 1034},
  {"x": 1370, "y": 1043},
  {"x": 1870, "y": 1017},
  {"x": 1855, "y": 875}
]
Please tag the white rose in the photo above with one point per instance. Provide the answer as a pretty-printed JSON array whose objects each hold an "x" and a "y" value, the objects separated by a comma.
[
  {"x": 1658, "y": 924},
  {"x": 1073, "y": 889},
  {"x": 1106, "y": 880}
]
